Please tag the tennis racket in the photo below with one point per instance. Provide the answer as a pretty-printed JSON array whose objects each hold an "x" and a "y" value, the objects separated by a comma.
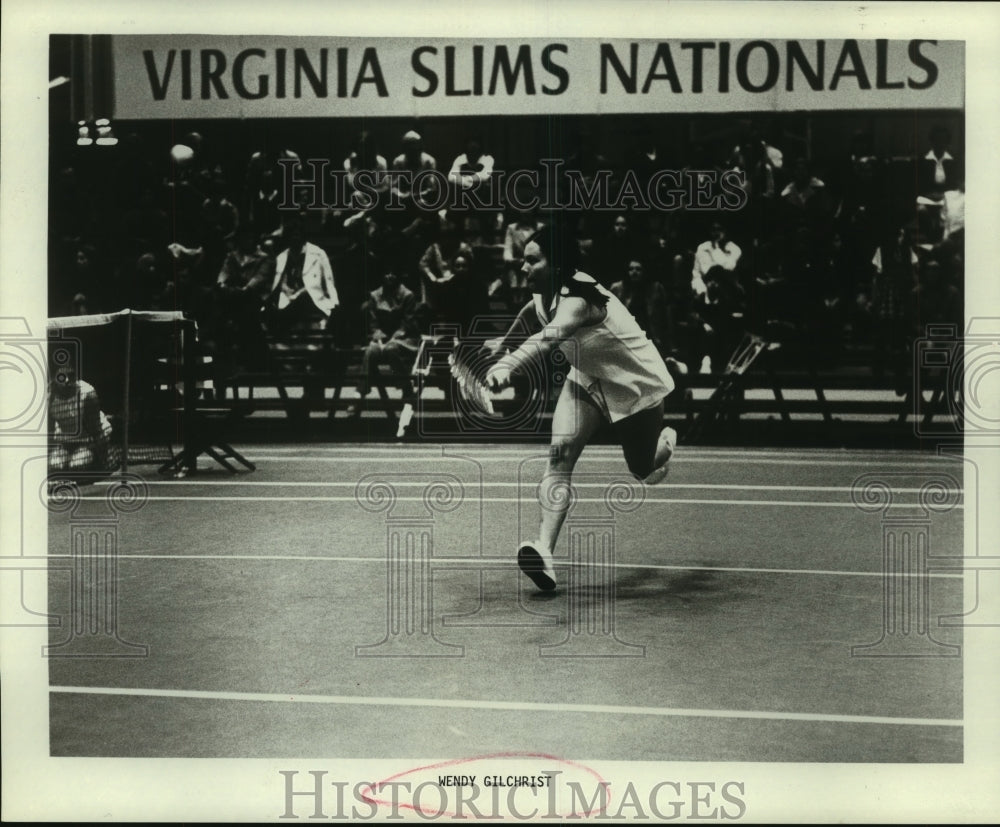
[{"x": 468, "y": 370}]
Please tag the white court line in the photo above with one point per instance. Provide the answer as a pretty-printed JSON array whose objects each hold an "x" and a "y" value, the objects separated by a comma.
[
  {"x": 460, "y": 449},
  {"x": 354, "y": 499},
  {"x": 513, "y": 706},
  {"x": 443, "y": 562},
  {"x": 228, "y": 481},
  {"x": 681, "y": 457}
]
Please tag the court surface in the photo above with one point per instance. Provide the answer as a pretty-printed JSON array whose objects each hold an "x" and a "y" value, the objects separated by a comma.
[{"x": 287, "y": 614}]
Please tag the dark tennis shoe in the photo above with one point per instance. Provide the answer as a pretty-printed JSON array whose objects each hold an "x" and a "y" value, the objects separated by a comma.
[{"x": 536, "y": 562}]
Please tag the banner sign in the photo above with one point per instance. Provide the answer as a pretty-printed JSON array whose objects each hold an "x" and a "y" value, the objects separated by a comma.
[{"x": 192, "y": 76}]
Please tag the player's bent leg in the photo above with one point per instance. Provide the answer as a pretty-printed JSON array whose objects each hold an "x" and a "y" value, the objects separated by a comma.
[
  {"x": 574, "y": 422},
  {"x": 647, "y": 444}
]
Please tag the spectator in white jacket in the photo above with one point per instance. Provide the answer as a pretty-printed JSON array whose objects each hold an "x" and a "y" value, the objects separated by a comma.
[
  {"x": 303, "y": 291},
  {"x": 718, "y": 251}
]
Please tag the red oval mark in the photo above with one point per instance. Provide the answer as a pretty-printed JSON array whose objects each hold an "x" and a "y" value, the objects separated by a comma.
[{"x": 598, "y": 792}]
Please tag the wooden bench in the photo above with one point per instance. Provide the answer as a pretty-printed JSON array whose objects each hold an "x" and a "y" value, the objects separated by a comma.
[
  {"x": 726, "y": 400},
  {"x": 311, "y": 362}
]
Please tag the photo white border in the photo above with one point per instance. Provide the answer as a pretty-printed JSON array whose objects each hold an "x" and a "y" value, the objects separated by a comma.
[{"x": 37, "y": 787}]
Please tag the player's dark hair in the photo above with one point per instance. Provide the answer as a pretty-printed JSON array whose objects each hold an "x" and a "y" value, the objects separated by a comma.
[{"x": 559, "y": 245}]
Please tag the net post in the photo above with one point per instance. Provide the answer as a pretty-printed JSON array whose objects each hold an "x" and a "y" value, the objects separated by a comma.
[
  {"x": 188, "y": 387},
  {"x": 126, "y": 410}
]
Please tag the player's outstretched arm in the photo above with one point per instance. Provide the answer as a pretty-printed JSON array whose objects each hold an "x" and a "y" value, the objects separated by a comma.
[
  {"x": 572, "y": 314},
  {"x": 523, "y": 326}
]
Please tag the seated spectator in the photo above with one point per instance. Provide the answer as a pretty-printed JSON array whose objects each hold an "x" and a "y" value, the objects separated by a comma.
[
  {"x": 953, "y": 214},
  {"x": 410, "y": 163},
  {"x": 934, "y": 300},
  {"x": 204, "y": 165},
  {"x": 884, "y": 306},
  {"x": 185, "y": 195},
  {"x": 721, "y": 307},
  {"x": 80, "y": 306},
  {"x": 85, "y": 275},
  {"x": 458, "y": 303},
  {"x": 219, "y": 220},
  {"x": 939, "y": 170},
  {"x": 613, "y": 251},
  {"x": 702, "y": 168},
  {"x": 145, "y": 285},
  {"x": 303, "y": 293},
  {"x": 471, "y": 167},
  {"x": 247, "y": 269},
  {"x": 940, "y": 215},
  {"x": 470, "y": 170},
  {"x": 219, "y": 216},
  {"x": 243, "y": 284},
  {"x": 278, "y": 163},
  {"x": 393, "y": 333},
  {"x": 437, "y": 264},
  {"x": 263, "y": 214},
  {"x": 718, "y": 251},
  {"x": 585, "y": 162},
  {"x": 646, "y": 300},
  {"x": 365, "y": 158},
  {"x": 303, "y": 299},
  {"x": 78, "y": 430},
  {"x": 762, "y": 168},
  {"x": 854, "y": 182},
  {"x": 409, "y": 242},
  {"x": 269, "y": 246},
  {"x": 804, "y": 199},
  {"x": 357, "y": 274},
  {"x": 761, "y": 161},
  {"x": 189, "y": 289},
  {"x": 860, "y": 179},
  {"x": 516, "y": 235}
]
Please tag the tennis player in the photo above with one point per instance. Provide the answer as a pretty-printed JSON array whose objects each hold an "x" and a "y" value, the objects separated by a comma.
[
  {"x": 616, "y": 376},
  {"x": 78, "y": 429}
]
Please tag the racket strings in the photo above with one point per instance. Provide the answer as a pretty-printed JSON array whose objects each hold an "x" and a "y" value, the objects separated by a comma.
[{"x": 470, "y": 379}]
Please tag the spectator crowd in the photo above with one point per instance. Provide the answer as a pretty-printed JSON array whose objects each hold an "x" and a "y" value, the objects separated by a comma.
[{"x": 856, "y": 253}]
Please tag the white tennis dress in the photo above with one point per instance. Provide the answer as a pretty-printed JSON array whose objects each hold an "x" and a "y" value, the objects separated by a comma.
[{"x": 614, "y": 361}]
